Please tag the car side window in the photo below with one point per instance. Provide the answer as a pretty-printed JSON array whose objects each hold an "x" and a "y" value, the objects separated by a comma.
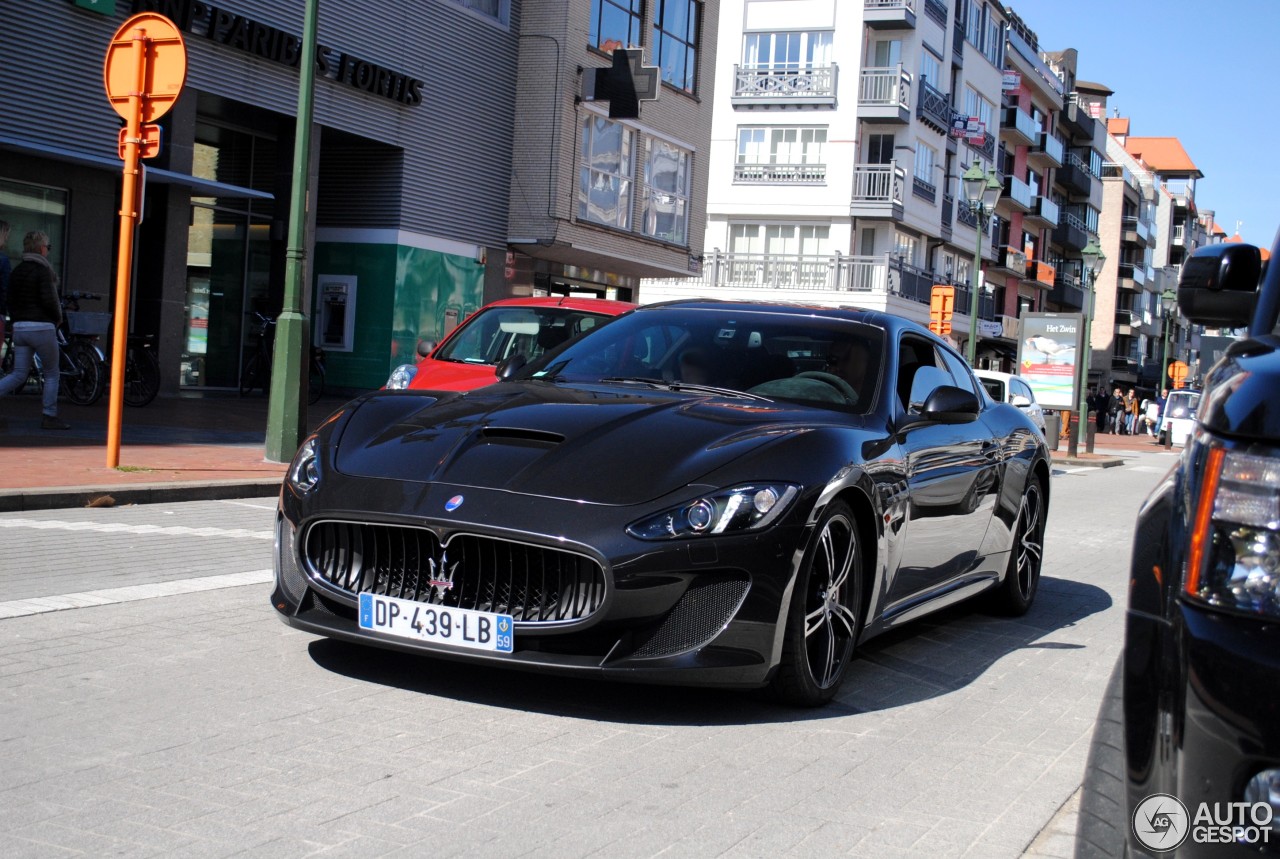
[
  {"x": 1019, "y": 389},
  {"x": 919, "y": 372},
  {"x": 959, "y": 371}
]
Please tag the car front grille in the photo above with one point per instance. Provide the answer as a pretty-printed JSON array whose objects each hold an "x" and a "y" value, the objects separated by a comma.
[{"x": 533, "y": 584}]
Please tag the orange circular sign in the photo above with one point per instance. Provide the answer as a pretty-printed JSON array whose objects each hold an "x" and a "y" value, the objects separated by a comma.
[
  {"x": 1178, "y": 371},
  {"x": 147, "y": 58}
]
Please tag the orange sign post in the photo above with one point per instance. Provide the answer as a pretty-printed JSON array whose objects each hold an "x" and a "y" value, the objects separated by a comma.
[
  {"x": 1178, "y": 372},
  {"x": 145, "y": 69}
]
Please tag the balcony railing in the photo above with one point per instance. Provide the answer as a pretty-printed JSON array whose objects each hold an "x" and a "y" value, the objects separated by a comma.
[
  {"x": 1074, "y": 175},
  {"x": 934, "y": 107},
  {"x": 1046, "y": 210},
  {"x": 970, "y": 219},
  {"x": 877, "y": 190},
  {"x": 1018, "y": 127},
  {"x": 1132, "y": 271},
  {"x": 1179, "y": 234},
  {"x": 987, "y": 148},
  {"x": 1075, "y": 119},
  {"x": 937, "y": 10},
  {"x": 1018, "y": 193},
  {"x": 1071, "y": 231},
  {"x": 1067, "y": 292},
  {"x": 948, "y": 210},
  {"x": 880, "y": 273},
  {"x": 1041, "y": 272},
  {"x": 771, "y": 83},
  {"x": 888, "y": 86},
  {"x": 780, "y": 174},
  {"x": 924, "y": 190},
  {"x": 1049, "y": 148},
  {"x": 882, "y": 14}
]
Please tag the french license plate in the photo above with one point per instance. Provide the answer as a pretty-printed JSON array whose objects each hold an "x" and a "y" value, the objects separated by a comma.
[{"x": 461, "y": 627}]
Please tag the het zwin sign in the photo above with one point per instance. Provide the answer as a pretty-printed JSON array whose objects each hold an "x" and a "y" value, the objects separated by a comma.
[{"x": 269, "y": 43}]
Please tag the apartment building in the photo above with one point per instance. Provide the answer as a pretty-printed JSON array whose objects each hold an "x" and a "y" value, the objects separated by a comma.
[{"x": 839, "y": 135}]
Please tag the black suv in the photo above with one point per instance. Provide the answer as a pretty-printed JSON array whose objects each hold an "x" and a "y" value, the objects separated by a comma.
[{"x": 1201, "y": 675}]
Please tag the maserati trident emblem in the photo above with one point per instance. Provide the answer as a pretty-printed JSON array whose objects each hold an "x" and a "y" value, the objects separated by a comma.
[
  {"x": 442, "y": 575},
  {"x": 453, "y": 503}
]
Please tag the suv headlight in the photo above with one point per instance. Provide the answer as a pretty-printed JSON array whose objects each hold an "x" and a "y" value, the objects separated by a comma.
[
  {"x": 1234, "y": 562},
  {"x": 304, "y": 473},
  {"x": 729, "y": 511},
  {"x": 401, "y": 377}
]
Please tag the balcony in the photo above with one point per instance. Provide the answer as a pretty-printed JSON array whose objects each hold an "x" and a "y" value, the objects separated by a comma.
[
  {"x": 1127, "y": 322},
  {"x": 1074, "y": 175},
  {"x": 1043, "y": 214},
  {"x": 969, "y": 218},
  {"x": 884, "y": 95},
  {"x": 1017, "y": 127},
  {"x": 1076, "y": 121},
  {"x": 889, "y": 14},
  {"x": 1017, "y": 195},
  {"x": 1010, "y": 260},
  {"x": 877, "y": 191},
  {"x": 1047, "y": 152},
  {"x": 1070, "y": 232},
  {"x": 957, "y": 42},
  {"x": 1041, "y": 274},
  {"x": 1067, "y": 292},
  {"x": 780, "y": 174},
  {"x": 1132, "y": 276},
  {"x": 1179, "y": 234},
  {"x": 987, "y": 148},
  {"x": 933, "y": 108},
  {"x": 937, "y": 10},
  {"x": 1135, "y": 231},
  {"x": 948, "y": 211},
  {"x": 769, "y": 85}
]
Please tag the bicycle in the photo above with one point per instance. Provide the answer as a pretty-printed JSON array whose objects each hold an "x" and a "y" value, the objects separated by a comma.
[
  {"x": 82, "y": 366},
  {"x": 141, "y": 370},
  {"x": 256, "y": 371}
]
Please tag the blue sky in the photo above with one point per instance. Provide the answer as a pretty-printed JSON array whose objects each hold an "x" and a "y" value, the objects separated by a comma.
[{"x": 1202, "y": 72}]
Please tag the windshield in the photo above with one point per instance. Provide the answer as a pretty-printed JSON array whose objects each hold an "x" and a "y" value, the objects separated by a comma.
[
  {"x": 816, "y": 360},
  {"x": 497, "y": 333},
  {"x": 1182, "y": 404}
]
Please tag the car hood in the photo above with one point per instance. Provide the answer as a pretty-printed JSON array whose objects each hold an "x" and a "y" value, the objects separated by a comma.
[
  {"x": 595, "y": 444},
  {"x": 451, "y": 376},
  {"x": 1239, "y": 398}
]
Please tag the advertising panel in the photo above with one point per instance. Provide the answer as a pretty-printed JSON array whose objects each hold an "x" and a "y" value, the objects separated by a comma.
[{"x": 1048, "y": 357}]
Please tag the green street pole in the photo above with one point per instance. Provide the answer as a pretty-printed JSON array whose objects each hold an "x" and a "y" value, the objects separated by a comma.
[
  {"x": 973, "y": 295},
  {"x": 286, "y": 416},
  {"x": 1093, "y": 259},
  {"x": 1164, "y": 354}
]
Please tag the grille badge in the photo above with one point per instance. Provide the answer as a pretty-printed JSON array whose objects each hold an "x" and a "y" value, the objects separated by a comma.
[
  {"x": 453, "y": 503},
  {"x": 443, "y": 581}
]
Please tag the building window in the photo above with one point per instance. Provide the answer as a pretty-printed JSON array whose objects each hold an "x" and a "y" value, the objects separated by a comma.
[
  {"x": 780, "y": 155},
  {"x": 498, "y": 10},
  {"x": 880, "y": 149},
  {"x": 977, "y": 106},
  {"x": 931, "y": 69},
  {"x": 615, "y": 24},
  {"x": 926, "y": 160},
  {"x": 675, "y": 40},
  {"x": 34, "y": 207},
  {"x": 780, "y": 239},
  {"x": 666, "y": 179},
  {"x": 787, "y": 51},
  {"x": 604, "y": 178}
]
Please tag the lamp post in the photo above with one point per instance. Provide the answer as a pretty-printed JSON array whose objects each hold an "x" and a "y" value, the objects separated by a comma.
[
  {"x": 981, "y": 192},
  {"x": 1094, "y": 259},
  {"x": 1167, "y": 299}
]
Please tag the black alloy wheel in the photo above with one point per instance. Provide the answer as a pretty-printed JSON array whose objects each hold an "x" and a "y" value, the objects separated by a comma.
[
  {"x": 1026, "y": 554},
  {"x": 823, "y": 624}
]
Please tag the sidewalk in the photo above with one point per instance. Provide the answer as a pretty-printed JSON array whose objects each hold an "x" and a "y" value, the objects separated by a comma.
[
  {"x": 204, "y": 446},
  {"x": 178, "y": 448}
]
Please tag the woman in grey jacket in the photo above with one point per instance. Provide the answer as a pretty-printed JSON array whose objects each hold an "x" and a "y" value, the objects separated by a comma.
[{"x": 34, "y": 315}]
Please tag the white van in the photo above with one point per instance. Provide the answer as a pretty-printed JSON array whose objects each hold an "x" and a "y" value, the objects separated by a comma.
[{"x": 1179, "y": 417}]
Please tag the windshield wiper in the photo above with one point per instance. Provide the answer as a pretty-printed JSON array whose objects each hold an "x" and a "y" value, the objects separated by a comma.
[
  {"x": 639, "y": 380},
  {"x": 712, "y": 389}
]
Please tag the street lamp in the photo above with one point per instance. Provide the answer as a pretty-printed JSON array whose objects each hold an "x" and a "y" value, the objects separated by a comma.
[
  {"x": 981, "y": 192},
  {"x": 1167, "y": 310},
  {"x": 1094, "y": 259}
]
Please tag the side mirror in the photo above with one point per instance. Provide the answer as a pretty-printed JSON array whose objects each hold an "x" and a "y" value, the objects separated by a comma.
[
  {"x": 1020, "y": 402},
  {"x": 426, "y": 347},
  {"x": 946, "y": 405},
  {"x": 1219, "y": 285},
  {"x": 508, "y": 367}
]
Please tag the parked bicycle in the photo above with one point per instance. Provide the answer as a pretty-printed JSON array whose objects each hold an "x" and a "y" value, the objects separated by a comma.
[
  {"x": 141, "y": 370},
  {"x": 83, "y": 367},
  {"x": 255, "y": 374}
]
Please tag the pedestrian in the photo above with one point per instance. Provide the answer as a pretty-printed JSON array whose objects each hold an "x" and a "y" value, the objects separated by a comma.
[
  {"x": 35, "y": 312},
  {"x": 1115, "y": 411},
  {"x": 1098, "y": 403},
  {"x": 1131, "y": 411},
  {"x": 1159, "y": 410},
  {"x": 5, "y": 270}
]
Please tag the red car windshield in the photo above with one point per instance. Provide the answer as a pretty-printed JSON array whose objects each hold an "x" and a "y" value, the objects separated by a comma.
[{"x": 497, "y": 333}]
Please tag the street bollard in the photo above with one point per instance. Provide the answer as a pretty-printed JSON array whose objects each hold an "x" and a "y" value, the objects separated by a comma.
[
  {"x": 1073, "y": 434},
  {"x": 1091, "y": 430}
]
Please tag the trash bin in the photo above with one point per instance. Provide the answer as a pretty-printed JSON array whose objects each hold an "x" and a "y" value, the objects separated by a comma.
[{"x": 1052, "y": 429}]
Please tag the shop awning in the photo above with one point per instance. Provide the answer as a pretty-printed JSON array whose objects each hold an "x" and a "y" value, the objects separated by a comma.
[{"x": 203, "y": 187}]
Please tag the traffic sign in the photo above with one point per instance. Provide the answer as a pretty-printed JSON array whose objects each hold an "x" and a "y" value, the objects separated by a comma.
[
  {"x": 1178, "y": 372},
  {"x": 147, "y": 59}
]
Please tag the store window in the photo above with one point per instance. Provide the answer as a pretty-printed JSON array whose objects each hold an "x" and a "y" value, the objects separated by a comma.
[
  {"x": 615, "y": 24},
  {"x": 34, "y": 207},
  {"x": 604, "y": 179},
  {"x": 666, "y": 179},
  {"x": 675, "y": 41}
]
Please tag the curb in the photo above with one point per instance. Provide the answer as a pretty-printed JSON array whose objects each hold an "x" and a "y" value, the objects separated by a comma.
[
  {"x": 1098, "y": 462},
  {"x": 16, "y": 500}
]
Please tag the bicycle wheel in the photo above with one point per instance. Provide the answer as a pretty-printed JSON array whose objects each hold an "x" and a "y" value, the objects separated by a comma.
[
  {"x": 141, "y": 376},
  {"x": 84, "y": 380},
  {"x": 249, "y": 375}
]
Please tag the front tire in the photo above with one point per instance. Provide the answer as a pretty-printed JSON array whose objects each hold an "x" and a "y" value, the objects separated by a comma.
[
  {"x": 1022, "y": 577},
  {"x": 86, "y": 385},
  {"x": 823, "y": 623}
]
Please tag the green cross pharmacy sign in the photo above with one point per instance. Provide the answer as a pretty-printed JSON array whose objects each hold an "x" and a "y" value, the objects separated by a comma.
[{"x": 102, "y": 7}]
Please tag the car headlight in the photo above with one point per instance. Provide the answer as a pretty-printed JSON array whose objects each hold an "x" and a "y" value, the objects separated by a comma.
[
  {"x": 401, "y": 377},
  {"x": 730, "y": 511},
  {"x": 1234, "y": 562},
  {"x": 304, "y": 473}
]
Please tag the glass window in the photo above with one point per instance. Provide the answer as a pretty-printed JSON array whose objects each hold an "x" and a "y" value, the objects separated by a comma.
[
  {"x": 931, "y": 69},
  {"x": 675, "y": 38},
  {"x": 959, "y": 371},
  {"x": 780, "y": 239},
  {"x": 34, "y": 207},
  {"x": 926, "y": 159},
  {"x": 615, "y": 24},
  {"x": 880, "y": 149},
  {"x": 888, "y": 53},
  {"x": 787, "y": 51},
  {"x": 499, "y": 10},
  {"x": 604, "y": 177},
  {"x": 666, "y": 179},
  {"x": 781, "y": 145}
]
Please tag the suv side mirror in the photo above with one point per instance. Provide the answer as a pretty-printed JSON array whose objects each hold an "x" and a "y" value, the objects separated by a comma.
[{"x": 1219, "y": 285}]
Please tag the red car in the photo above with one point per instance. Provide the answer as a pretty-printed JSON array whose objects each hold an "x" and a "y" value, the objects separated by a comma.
[{"x": 468, "y": 355}]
